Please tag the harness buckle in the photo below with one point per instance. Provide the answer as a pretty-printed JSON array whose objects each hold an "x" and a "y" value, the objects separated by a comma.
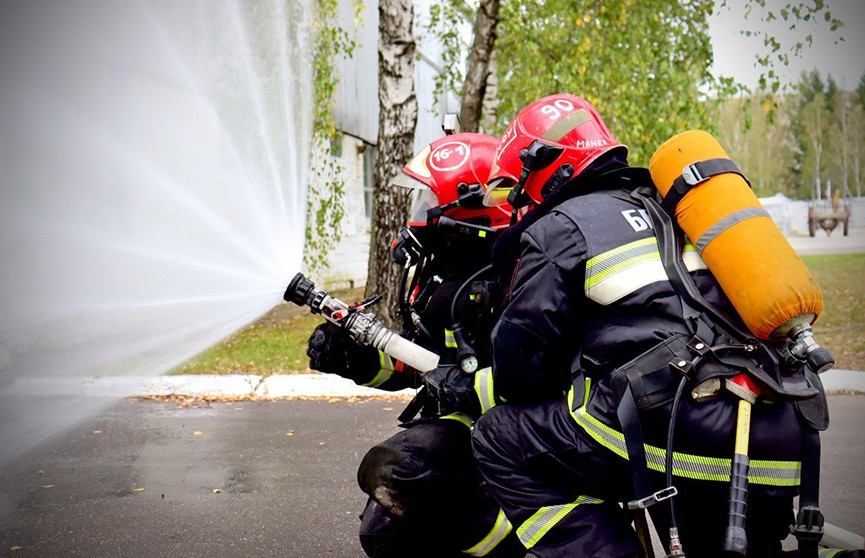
[
  {"x": 692, "y": 175},
  {"x": 652, "y": 499},
  {"x": 809, "y": 524}
]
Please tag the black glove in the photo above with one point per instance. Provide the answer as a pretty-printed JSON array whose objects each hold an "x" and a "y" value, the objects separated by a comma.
[
  {"x": 453, "y": 389},
  {"x": 331, "y": 350}
]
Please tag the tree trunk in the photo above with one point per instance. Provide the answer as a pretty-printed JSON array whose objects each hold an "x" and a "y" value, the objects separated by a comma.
[
  {"x": 396, "y": 125},
  {"x": 475, "y": 84}
]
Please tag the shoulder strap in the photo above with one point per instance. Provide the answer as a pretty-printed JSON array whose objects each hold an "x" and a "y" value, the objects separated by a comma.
[
  {"x": 680, "y": 279},
  {"x": 694, "y": 174},
  {"x": 809, "y": 521}
]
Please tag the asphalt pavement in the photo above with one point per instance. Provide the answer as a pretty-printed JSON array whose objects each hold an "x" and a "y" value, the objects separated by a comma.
[
  {"x": 836, "y": 243},
  {"x": 263, "y": 478}
]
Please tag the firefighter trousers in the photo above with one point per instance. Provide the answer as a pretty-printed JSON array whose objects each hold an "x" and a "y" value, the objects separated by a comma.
[
  {"x": 427, "y": 498},
  {"x": 562, "y": 490}
]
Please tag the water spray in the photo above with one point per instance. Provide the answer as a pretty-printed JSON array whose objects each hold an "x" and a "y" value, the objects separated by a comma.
[{"x": 364, "y": 327}]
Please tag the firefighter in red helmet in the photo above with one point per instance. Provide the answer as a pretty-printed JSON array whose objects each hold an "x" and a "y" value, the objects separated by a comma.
[
  {"x": 426, "y": 496},
  {"x": 611, "y": 341}
]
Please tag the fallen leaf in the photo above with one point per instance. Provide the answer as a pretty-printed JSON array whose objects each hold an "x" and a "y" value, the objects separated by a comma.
[
  {"x": 387, "y": 409},
  {"x": 16, "y": 547},
  {"x": 47, "y": 486},
  {"x": 40, "y": 472},
  {"x": 97, "y": 432},
  {"x": 197, "y": 433},
  {"x": 321, "y": 443},
  {"x": 290, "y": 433},
  {"x": 217, "y": 491},
  {"x": 334, "y": 400},
  {"x": 138, "y": 489}
]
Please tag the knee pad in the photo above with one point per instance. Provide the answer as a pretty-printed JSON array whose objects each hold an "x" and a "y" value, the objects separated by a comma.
[
  {"x": 419, "y": 469},
  {"x": 375, "y": 477}
]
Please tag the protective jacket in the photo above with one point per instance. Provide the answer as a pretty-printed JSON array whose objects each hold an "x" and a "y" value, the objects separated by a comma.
[
  {"x": 589, "y": 294},
  {"x": 426, "y": 495}
]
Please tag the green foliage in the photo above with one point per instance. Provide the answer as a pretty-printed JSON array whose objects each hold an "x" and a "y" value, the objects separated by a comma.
[
  {"x": 860, "y": 91},
  {"x": 326, "y": 194},
  {"x": 810, "y": 142},
  {"x": 642, "y": 64},
  {"x": 763, "y": 147},
  {"x": 445, "y": 18},
  {"x": 275, "y": 344},
  {"x": 841, "y": 327},
  {"x": 264, "y": 348}
]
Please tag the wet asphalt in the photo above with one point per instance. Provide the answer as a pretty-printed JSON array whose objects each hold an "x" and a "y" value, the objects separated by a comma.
[{"x": 148, "y": 478}]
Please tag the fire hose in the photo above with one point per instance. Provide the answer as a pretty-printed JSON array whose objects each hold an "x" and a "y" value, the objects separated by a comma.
[{"x": 363, "y": 327}]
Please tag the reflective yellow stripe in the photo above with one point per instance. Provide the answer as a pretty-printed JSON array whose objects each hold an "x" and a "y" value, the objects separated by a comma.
[
  {"x": 692, "y": 259},
  {"x": 384, "y": 373},
  {"x": 624, "y": 269},
  {"x": 540, "y": 523},
  {"x": 484, "y": 389},
  {"x": 450, "y": 342},
  {"x": 829, "y": 552},
  {"x": 459, "y": 417},
  {"x": 501, "y": 529},
  {"x": 766, "y": 472}
]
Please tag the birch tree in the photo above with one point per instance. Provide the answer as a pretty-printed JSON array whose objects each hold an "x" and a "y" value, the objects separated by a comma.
[{"x": 398, "y": 111}]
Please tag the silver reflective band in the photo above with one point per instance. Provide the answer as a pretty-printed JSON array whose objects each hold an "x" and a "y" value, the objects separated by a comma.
[
  {"x": 761, "y": 471},
  {"x": 543, "y": 520},
  {"x": 484, "y": 389},
  {"x": 501, "y": 529},
  {"x": 620, "y": 271},
  {"x": 384, "y": 373},
  {"x": 727, "y": 222},
  {"x": 450, "y": 340}
]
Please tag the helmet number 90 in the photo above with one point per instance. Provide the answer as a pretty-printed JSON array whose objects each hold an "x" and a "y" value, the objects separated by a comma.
[{"x": 555, "y": 110}]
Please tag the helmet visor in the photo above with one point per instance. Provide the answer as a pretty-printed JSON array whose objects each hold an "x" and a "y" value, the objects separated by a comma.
[
  {"x": 498, "y": 191},
  {"x": 422, "y": 201},
  {"x": 422, "y": 198}
]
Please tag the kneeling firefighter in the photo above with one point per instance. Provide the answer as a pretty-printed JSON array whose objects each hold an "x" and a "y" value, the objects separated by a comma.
[
  {"x": 427, "y": 498},
  {"x": 625, "y": 363}
]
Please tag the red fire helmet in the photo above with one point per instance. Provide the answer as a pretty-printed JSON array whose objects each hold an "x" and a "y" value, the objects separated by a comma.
[
  {"x": 558, "y": 130},
  {"x": 450, "y": 173}
]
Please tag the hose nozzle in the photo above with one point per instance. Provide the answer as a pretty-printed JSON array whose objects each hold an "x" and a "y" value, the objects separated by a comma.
[
  {"x": 362, "y": 326},
  {"x": 299, "y": 290}
]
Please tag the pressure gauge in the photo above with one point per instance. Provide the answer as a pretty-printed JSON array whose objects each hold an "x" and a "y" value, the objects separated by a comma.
[{"x": 469, "y": 364}]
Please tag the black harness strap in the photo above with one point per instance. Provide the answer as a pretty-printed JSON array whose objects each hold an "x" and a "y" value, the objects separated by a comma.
[
  {"x": 809, "y": 521},
  {"x": 629, "y": 419},
  {"x": 694, "y": 174},
  {"x": 678, "y": 276}
]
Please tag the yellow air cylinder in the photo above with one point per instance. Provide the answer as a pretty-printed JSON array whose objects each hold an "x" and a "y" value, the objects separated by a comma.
[{"x": 761, "y": 274}]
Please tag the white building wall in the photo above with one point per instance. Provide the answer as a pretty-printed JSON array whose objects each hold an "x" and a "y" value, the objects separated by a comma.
[
  {"x": 357, "y": 112},
  {"x": 791, "y": 216}
]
